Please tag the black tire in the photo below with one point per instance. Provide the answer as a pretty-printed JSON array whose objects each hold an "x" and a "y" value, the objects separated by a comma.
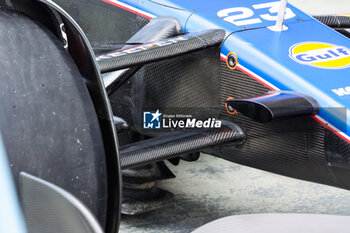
[{"x": 47, "y": 119}]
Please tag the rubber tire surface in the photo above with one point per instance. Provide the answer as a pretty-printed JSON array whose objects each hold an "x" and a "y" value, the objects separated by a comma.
[{"x": 47, "y": 120}]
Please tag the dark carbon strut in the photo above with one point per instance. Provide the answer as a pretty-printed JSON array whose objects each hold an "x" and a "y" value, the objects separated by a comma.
[
  {"x": 179, "y": 142},
  {"x": 162, "y": 49}
]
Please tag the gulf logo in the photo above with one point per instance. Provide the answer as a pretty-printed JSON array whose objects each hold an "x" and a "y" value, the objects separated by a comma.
[{"x": 321, "y": 55}]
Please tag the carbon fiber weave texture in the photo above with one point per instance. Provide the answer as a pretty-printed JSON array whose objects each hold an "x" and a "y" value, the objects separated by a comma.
[
  {"x": 334, "y": 21},
  {"x": 106, "y": 26},
  {"x": 290, "y": 147},
  {"x": 210, "y": 38},
  {"x": 188, "y": 85},
  {"x": 176, "y": 143}
]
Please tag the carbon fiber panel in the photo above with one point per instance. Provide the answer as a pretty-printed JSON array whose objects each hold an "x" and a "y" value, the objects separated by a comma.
[
  {"x": 337, "y": 150},
  {"x": 163, "y": 49},
  {"x": 189, "y": 83},
  {"x": 338, "y": 157},
  {"x": 334, "y": 21},
  {"x": 293, "y": 148},
  {"x": 106, "y": 26}
]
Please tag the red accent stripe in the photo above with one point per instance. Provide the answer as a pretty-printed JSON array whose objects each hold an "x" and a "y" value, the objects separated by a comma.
[{"x": 128, "y": 9}]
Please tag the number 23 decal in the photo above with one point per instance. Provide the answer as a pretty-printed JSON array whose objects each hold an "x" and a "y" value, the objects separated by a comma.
[{"x": 244, "y": 13}]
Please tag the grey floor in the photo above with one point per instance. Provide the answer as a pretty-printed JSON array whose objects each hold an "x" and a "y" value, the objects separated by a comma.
[{"x": 212, "y": 188}]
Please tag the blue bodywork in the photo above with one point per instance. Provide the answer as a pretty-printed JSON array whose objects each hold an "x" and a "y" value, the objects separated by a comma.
[{"x": 264, "y": 53}]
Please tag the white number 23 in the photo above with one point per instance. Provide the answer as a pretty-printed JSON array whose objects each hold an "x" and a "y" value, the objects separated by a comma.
[{"x": 243, "y": 13}]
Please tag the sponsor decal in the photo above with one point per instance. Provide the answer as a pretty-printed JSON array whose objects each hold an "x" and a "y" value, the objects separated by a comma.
[
  {"x": 321, "y": 55},
  {"x": 342, "y": 91},
  {"x": 157, "y": 120}
]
